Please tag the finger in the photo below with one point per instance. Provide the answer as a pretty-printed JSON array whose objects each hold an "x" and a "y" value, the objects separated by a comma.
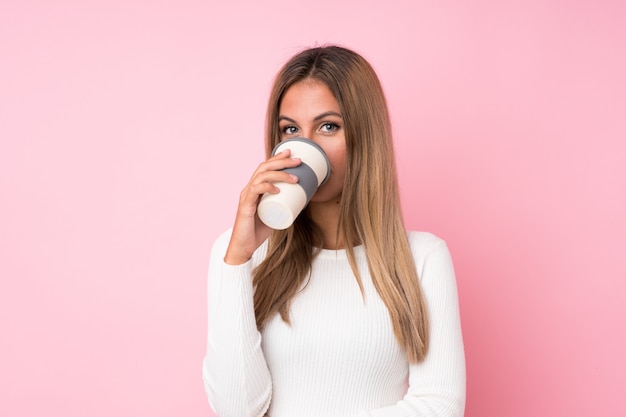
[
  {"x": 264, "y": 182},
  {"x": 273, "y": 177},
  {"x": 279, "y": 161}
]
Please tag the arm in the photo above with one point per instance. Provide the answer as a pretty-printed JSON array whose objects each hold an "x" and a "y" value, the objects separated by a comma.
[
  {"x": 437, "y": 385},
  {"x": 236, "y": 378}
]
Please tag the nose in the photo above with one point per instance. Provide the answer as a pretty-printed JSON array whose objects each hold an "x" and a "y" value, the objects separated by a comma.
[{"x": 309, "y": 133}]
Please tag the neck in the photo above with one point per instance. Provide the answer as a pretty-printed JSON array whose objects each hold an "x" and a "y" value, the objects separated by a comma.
[{"x": 326, "y": 218}]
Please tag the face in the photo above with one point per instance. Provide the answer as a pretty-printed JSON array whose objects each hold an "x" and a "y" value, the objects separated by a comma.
[{"x": 310, "y": 110}]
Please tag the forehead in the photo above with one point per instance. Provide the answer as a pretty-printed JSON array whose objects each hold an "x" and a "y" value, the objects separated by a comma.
[{"x": 308, "y": 98}]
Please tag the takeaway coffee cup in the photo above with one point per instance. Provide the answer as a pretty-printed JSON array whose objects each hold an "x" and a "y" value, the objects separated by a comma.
[{"x": 279, "y": 211}]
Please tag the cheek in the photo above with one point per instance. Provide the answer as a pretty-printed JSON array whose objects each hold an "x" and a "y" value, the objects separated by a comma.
[
  {"x": 337, "y": 158},
  {"x": 335, "y": 150},
  {"x": 337, "y": 169}
]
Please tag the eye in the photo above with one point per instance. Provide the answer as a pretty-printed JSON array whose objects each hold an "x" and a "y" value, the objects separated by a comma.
[
  {"x": 329, "y": 127},
  {"x": 289, "y": 130}
]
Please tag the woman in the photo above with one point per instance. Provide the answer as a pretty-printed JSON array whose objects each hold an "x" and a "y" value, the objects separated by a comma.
[{"x": 344, "y": 313}]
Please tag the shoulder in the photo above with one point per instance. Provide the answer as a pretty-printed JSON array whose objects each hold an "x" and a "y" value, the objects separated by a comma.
[
  {"x": 221, "y": 242},
  {"x": 423, "y": 239},
  {"x": 427, "y": 246},
  {"x": 423, "y": 242}
]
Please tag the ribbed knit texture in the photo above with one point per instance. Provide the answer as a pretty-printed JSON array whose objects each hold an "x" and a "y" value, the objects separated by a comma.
[{"x": 339, "y": 357}]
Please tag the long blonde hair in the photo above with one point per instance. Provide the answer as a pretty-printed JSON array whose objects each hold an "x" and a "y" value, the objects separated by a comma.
[{"x": 370, "y": 211}]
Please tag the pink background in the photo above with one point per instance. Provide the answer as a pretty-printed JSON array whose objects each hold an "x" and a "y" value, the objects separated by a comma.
[{"x": 128, "y": 128}]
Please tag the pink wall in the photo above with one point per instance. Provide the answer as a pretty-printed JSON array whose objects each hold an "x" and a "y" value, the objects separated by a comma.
[{"x": 127, "y": 129}]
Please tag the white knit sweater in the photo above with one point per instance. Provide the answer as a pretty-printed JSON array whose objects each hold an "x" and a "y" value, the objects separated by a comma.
[{"x": 339, "y": 357}]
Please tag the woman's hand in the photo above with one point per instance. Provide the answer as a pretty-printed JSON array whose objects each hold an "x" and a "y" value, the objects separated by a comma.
[{"x": 249, "y": 231}]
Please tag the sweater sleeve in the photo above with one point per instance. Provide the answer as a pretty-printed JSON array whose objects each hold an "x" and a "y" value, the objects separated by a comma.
[
  {"x": 436, "y": 385},
  {"x": 236, "y": 377}
]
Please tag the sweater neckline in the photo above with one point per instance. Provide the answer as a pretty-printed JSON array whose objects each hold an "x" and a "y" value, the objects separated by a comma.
[{"x": 340, "y": 253}]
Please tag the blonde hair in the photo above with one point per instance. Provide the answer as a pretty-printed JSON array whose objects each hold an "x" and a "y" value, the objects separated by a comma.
[{"x": 370, "y": 211}]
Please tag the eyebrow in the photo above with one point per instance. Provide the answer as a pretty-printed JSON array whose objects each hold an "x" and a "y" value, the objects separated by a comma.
[{"x": 317, "y": 118}]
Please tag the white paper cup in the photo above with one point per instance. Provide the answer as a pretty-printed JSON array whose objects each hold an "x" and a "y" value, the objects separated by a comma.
[{"x": 279, "y": 211}]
